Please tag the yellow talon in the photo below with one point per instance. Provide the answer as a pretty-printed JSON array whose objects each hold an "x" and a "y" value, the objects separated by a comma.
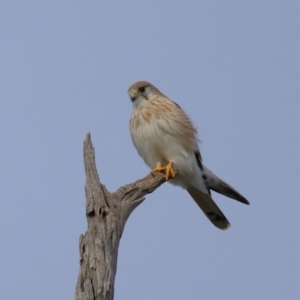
[{"x": 168, "y": 170}]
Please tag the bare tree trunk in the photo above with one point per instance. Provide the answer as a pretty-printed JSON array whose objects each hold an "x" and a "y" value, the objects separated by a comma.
[{"x": 106, "y": 214}]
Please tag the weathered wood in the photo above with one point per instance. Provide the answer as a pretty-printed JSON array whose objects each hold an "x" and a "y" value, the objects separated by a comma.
[{"x": 106, "y": 214}]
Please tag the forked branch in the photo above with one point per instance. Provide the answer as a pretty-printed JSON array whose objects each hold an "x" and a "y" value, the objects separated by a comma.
[{"x": 106, "y": 214}]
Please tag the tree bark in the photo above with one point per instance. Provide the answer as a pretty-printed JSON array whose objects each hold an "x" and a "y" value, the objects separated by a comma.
[{"x": 106, "y": 215}]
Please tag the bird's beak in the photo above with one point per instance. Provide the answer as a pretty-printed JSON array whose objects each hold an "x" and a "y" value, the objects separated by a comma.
[{"x": 132, "y": 95}]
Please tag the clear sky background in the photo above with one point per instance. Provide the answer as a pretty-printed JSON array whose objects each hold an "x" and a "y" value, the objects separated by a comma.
[{"x": 234, "y": 66}]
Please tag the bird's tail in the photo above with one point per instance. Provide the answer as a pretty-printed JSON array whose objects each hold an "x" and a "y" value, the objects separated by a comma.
[
  {"x": 209, "y": 207},
  {"x": 218, "y": 185}
]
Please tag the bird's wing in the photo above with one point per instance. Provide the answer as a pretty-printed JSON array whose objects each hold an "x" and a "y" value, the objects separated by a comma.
[
  {"x": 209, "y": 207},
  {"x": 218, "y": 185},
  {"x": 173, "y": 121}
]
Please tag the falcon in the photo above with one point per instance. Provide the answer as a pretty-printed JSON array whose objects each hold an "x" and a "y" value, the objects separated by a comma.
[{"x": 166, "y": 139}]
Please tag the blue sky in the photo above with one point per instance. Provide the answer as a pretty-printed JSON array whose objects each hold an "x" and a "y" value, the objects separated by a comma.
[{"x": 233, "y": 66}]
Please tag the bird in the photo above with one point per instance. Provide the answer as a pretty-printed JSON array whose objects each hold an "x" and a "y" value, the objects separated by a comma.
[{"x": 166, "y": 139}]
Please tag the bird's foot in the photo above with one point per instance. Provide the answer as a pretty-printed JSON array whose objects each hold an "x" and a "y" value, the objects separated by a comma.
[{"x": 168, "y": 170}]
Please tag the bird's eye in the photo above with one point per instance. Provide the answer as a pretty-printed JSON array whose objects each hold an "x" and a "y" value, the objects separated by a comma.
[{"x": 142, "y": 89}]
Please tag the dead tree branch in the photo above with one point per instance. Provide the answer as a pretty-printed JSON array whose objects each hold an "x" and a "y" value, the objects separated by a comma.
[{"x": 106, "y": 214}]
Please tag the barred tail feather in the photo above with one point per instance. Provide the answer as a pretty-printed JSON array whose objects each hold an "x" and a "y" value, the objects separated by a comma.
[{"x": 209, "y": 207}]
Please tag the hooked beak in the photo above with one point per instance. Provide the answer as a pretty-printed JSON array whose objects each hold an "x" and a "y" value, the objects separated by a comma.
[{"x": 132, "y": 95}]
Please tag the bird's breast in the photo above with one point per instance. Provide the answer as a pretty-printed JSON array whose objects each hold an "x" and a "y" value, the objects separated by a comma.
[
  {"x": 145, "y": 135},
  {"x": 155, "y": 141}
]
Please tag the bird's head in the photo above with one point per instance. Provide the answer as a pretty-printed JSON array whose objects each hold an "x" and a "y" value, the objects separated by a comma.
[{"x": 142, "y": 91}]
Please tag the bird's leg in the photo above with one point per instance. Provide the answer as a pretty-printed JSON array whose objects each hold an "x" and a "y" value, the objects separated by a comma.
[{"x": 168, "y": 170}]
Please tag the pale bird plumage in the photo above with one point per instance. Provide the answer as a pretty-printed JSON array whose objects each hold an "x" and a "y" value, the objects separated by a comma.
[{"x": 163, "y": 133}]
